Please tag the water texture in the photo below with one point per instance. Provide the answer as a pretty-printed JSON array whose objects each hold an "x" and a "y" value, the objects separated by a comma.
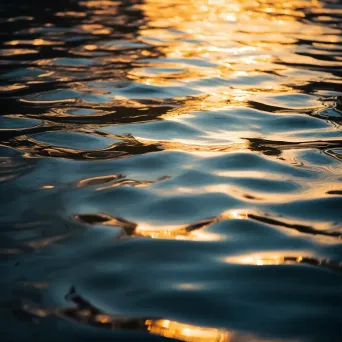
[{"x": 171, "y": 170}]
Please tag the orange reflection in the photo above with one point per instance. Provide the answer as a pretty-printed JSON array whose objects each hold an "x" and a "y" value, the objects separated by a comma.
[
  {"x": 195, "y": 147},
  {"x": 84, "y": 312},
  {"x": 12, "y": 87},
  {"x": 35, "y": 42},
  {"x": 219, "y": 47},
  {"x": 268, "y": 258},
  {"x": 283, "y": 257},
  {"x": 214, "y": 30},
  {"x": 47, "y": 187},
  {"x": 187, "y": 332},
  {"x": 194, "y": 232},
  {"x": 197, "y": 231},
  {"x": 11, "y": 52}
]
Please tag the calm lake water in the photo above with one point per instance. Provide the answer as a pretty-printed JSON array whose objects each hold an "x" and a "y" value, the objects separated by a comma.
[{"x": 171, "y": 170}]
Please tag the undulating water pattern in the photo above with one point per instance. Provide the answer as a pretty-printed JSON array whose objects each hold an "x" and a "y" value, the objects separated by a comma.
[{"x": 171, "y": 170}]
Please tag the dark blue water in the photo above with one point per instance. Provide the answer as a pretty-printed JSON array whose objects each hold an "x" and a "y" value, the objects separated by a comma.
[{"x": 171, "y": 170}]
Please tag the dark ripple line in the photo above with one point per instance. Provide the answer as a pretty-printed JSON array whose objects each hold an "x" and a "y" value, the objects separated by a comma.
[
  {"x": 272, "y": 147},
  {"x": 35, "y": 149},
  {"x": 298, "y": 227}
]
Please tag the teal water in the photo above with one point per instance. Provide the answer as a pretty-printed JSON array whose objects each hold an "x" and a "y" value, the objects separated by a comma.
[{"x": 171, "y": 170}]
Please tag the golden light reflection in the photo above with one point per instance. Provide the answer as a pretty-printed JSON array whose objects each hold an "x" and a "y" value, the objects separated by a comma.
[
  {"x": 187, "y": 332},
  {"x": 87, "y": 314},
  {"x": 195, "y": 147},
  {"x": 203, "y": 21},
  {"x": 195, "y": 231},
  {"x": 70, "y": 14},
  {"x": 185, "y": 232},
  {"x": 35, "y": 42},
  {"x": 12, "y": 87},
  {"x": 283, "y": 258},
  {"x": 269, "y": 258},
  {"x": 47, "y": 187},
  {"x": 11, "y": 52},
  {"x": 198, "y": 231},
  {"x": 21, "y": 18},
  {"x": 204, "y": 43}
]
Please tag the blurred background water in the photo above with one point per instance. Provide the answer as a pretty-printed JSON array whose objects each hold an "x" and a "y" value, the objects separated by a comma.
[{"x": 171, "y": 170}]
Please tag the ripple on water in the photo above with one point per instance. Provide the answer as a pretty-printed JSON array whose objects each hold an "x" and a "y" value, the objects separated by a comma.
[{"x": 171, "y": 171}]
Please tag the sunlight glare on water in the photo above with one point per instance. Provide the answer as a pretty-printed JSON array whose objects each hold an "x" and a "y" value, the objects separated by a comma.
[{"x": 171, "y": 170}]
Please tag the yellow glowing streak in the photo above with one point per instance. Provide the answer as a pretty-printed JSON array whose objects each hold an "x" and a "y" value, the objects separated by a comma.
[
  {"x": 47, "y": 186},
  {"x": 186, "y": 332}
]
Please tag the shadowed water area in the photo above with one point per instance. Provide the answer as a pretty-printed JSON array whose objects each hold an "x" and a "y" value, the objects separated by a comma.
[{"x": 170, "y": 170}]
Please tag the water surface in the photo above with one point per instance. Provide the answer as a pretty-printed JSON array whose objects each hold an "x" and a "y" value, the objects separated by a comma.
[{"x": 171, "y": 170}]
